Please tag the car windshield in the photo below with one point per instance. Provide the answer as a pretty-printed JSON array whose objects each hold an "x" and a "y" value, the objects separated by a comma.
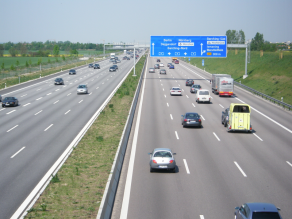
[
  {"x": 196, "y": 86},
  {"x": 204, "y": 93},
  {"x": 9, "y": 98},
  {"x": 162, "y": 154},
  {"x": 175, "y": 88},
  {"x": 81, "y": 86},
  {"x": 72, "y": 70},
  {"x": 265, "y": 215},
  {"x": 58, "y": 79},
  {"x": 192, "y": 115}
]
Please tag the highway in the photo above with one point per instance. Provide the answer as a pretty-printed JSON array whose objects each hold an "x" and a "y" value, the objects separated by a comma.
[
  {"x": 216, "y": 170},
  {"x": 48, "y": 118}
]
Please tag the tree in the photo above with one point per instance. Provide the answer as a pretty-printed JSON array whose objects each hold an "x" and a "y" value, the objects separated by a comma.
[
  {"x": 1, "y": 50},
  {"x": 29, "y": 62},
  {"x": 26, "y": 64},
  {"x": 74, "y": 52},
  {"x": 235, "y": 37},
  {"x": 56, "y": 50},
  {"x": 2, "y": 66},
  {"x": 12, "y": 67},
  {"x": 63, "y": 57},
  {"x": 13, "y": 52},
  {"x": 257, "y": 43},
  {"x": 39, "y": 61},
  {"x": 23, "y": 49},
  {"x": 17, "y": 63}
]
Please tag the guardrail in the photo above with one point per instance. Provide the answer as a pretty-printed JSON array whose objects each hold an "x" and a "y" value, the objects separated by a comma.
[
  {"x": 264, "y": 96},
  {"x": 108, "y": 200}
]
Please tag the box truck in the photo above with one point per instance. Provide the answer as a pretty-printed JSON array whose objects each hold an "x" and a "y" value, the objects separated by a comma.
[
  {"x": 222, "y": 84},
  {"x": 112, "y": 55},
  {"x": 239, "y": 118}
]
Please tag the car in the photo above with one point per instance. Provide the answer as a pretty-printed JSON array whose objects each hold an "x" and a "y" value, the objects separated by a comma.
[
  {"x": 225, "y": 117},
  {"x": 191, "y": 119},
  {"x": 189, "y": 82},
  {"x": 151, "y": 70},
  {"x": 112, "y": 68},
  {"x": 162, "y": 159},
  {"x": 203, "y": 96},
  {"x": 116, "y": 58},
  {"x": 156, "y": 66},
  {"x": 161, "y": 65},
  {"x": 125, "y": 58},
  {"x": 118, "y": 61},
  {"x": 116, "y": 67},
  {"x": 90, "y": 65},
  {"x": 176, "y": 62},
  {"x": 128, "y": 58},
  {"x": 175, "y": 91},
  {"x": 96, "y": 66},
  {"x": 10, "y": 101},
  {"x": 257, "y": 210},
  {"x": 162, "y": 71},
  {"x": 195, "y": 87},
  {"x": 171, "y": 67},
  {"x": 158, "y": 60},
  {"x": 72, "y": 72},
  {"x": 59, "y": 81},
  {"x": 82, "y": 89},
  {"x": 169, "y": 64},
  {"x": 112, "y": 60}
]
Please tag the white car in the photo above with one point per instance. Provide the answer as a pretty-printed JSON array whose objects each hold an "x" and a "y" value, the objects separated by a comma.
[
  {"x": 175, "y": 91},
  {"x": 82, "y": 89},
  {"x": 161, "y": 65},
  {"x": 203, "y": 96}
]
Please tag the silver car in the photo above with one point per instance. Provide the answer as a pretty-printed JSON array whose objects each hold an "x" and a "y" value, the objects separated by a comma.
[
  {"x": 194, "y": 88},
  {"x": 82, "y": 89},
  {"x": 162, "y": 158},
  {"x": 162, "y": 71},
  {"x": 175, "y": 91}
]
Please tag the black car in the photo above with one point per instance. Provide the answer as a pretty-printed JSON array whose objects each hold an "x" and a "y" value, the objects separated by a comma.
[
  {"x": 112, "y": 68},
  {"x": 59, "y": 81},
  {"x": 116, "y": 67},
  {"x": 191, "y": 119},
  {"x": 158, "y": 60},
  {"x": 128, "y": 58},
  {"x": 90, "y": 65},
  {"x": 189, "y": 82},
  {"x": 9, "y": 101},
  {"x": 96, "y": 66},
  {"x": 72, "y": 72},
  {"x": 225, "y": 117}
]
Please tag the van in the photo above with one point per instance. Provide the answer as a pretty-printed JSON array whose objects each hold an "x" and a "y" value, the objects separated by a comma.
[
  {"x": 203, "y": 96},
  {"x": 239, "y": 117}
]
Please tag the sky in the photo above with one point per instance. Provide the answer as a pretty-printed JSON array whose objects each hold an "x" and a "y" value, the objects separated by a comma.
[{"x": 130, "y": 21}]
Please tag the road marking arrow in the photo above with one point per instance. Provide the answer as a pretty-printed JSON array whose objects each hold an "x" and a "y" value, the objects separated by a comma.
[{"x": 202, "y": 52}]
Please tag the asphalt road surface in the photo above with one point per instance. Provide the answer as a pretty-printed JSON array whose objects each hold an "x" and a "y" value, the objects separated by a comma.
[
  {"x": 35, "y": 133},
  {"x": 216, "y": 170}
]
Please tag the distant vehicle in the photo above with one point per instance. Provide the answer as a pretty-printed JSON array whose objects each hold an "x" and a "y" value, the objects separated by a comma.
[
  {"x": 169, "y": 64},
  {"x": 161, "y": 65},
  {"x": 9, "y": 101},
  {"x": 158, "y": 60},
  {"x": 116, "y": 66},
  {"x": 118, "y": 61},
  {"x": 82, "y": 89},
  {"x": 189, "y": 82},
  {"x": 173, "y": 59},
  {"x": 191, "y": 119},
  {"x": 112, "y": 68},
  {"x": 162, "y": 158},
  {"x": 171, "y": 67},
  {"x": 176, "y": 62},
  {"x": 128, "y": 58},
  {"x": 162, "y": 71},
  {"x": 59, "y": 81},
  {"x": 225, "y": 117},
  {"x": 195, "y": 88},
  {"x": 125, "y": 58},
  {"x": 203, "y": 96},
  {"x": 151, "y": 70},
  {"x": 175, "y": 91},
  {"x": 239, "y": 117},
  {"x": 72, "y": 72},
  {"x": 156, "y": 66},
  {"x": 112, "y": 60},
  {"x": 116, "y": 58},
  {"x": 257, "y": 211},
  {"x": 96, "y": 66},
  {"x": 222, "y": 84},
  {"x": 90, "y": 65},
  {"x": 112, "y": 55}
]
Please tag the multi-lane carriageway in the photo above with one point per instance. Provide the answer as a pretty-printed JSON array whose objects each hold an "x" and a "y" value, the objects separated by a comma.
[
  {"x": 216, "y": 170},
  {"x": 49, "y": 117}
]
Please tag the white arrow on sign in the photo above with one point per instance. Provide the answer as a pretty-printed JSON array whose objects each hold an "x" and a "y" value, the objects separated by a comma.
[
  {"x": 153, "y": 49},
  {"x": 169, "y": 53},
  {"x": 202, "y": 52},
  {"x": 185, "y": 53}
]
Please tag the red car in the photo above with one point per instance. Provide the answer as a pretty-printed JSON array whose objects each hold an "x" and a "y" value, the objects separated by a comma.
[{"x": 176, "y": 62}]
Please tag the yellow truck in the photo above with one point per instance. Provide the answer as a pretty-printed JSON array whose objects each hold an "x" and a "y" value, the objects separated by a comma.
[{"x": 239, "y": 117}]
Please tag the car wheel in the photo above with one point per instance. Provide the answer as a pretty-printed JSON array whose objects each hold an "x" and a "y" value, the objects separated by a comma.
[
  {"x": 151, "y": 169},
  {"x": 225, "y": 124},
  {"x": 173, "y": 170}
]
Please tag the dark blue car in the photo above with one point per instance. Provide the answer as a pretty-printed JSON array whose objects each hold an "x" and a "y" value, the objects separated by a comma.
[
  {"x": 257, "y": 211},
  {"x": 171, "y": 67},
  {"x": 10, "y": 101}
]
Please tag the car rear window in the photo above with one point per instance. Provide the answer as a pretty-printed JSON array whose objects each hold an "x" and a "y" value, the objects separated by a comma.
[
  {"x": 192, "y": 115},
  {"x": 162, "y": 154},
  {"x": 9, "y": 98},
  {"x": 265, "y": 215},
  {"x": 197, "y": 86},
  {"x": 175, "y": 88},
  {"x": 204, "y": 93},
  {"x": 241, "y": 109}
]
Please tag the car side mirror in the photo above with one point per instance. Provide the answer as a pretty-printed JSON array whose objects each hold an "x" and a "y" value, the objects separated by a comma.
[
  {"x": 173, "y": 153},
  {"x": 149, "y": 153},
  {"x": 237, "y": 208},
  {"x": 182, "y": 115}
]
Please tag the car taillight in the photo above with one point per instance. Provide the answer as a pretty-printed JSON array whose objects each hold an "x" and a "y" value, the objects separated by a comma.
[
  {"x": 171, "y": 161},
  {"x": 199, "y": 120},
  {"x": 154, "y": 161},
  {"x": 179, "y": 91},
  {"x": 185, "y": 120},
  {"x": 250, "y": 128},
  {"x": 172, "y": 91},
  {"x": 198, "y": 98},
  {"x": 229, "y": 127}
]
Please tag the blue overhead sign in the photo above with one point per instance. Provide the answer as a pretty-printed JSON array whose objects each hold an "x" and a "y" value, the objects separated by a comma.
[{"x": 188, "y": 46}]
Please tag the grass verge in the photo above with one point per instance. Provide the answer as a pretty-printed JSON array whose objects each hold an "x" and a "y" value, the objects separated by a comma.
[{"x": 77, "y": 189}]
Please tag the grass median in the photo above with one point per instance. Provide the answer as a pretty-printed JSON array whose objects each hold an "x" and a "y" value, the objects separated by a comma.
[{"x": 77, "y": 189}]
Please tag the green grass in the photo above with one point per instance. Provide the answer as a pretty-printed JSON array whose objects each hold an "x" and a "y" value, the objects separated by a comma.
[
  {"x": 78, "y": 189},
  {"x": 268, "y": 74}
]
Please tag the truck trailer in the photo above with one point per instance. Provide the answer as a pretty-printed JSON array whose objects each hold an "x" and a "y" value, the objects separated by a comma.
[
  {"x": 222, "y": 84},
  {"x": 112, "y": 55}
]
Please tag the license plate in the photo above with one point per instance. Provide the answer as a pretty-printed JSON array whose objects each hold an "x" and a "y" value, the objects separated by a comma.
[
  {"x": 163, "y": 166},
  {"x": 7, "y": 104},
  {"x": 204, "y": 98}
]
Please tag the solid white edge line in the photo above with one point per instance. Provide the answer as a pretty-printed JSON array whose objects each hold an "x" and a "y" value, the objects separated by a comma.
[
  {"x": 289, "y": 163},
  {"x": 12, "y": 128},
  {"x": 257, "y": 136},
  {"x": 17, "y": 152},
  {"x": 186, "y": 166},
  {"x": 127, "y": 191},
  {"x": 48, "y": 127},
  {"x": 216, "y": 136},
  {"x": 176, "y": 135},
  {"x": 240, "y": 169}
]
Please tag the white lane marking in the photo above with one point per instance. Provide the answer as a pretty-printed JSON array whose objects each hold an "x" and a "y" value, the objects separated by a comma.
[
  {"x": 38, "y": 112},
  {"x": 175, "y": 81},
  {"x": 11, "y": 111},
  {"x": 23, "y": 95},
  {"x": 65, "y": 86},
  {"x": 70, "y": 83},
  {"x": 216, "y": 136},
  {"x": 201, "y": 216},
  {"x": 2, "y": 109},
  {"x": 17, "y": 152},
  {"x": 39, "y": 98},
  {"x": 68, "y": 94},
  {"x": 48, "y": 127},
  {"x": 56, "y": 101},
  {"x": 160, "y": 80},
  {"x": 51, "y": 85},
  {"x": 90, "y": 93},
  {"x": 67, "y": 112},
  {"x": 194, "y": 105},
  {"x": 183, "y": 90},
  {"x": 102, "y": 82},
  {"x": 49, "y": 93},
  {"x": 161, "y": 84},
  {"x": 38, "y": 89},
  {"x": 164, "y": 95},
  {"x": 171, "y": 117},
  {"x": 257, "y": 136},
  {"x": 80, "y": 101},
  {"x": 26, "y": 104},
  {"x": 202, "y": 117},
  {"x": 176, "y": 135},
  {"x": 221, "y": 105},
  {"x": 186, "y": 166},
  {"x": 57, "y": 89},
  {"x": 187, "y": 96},
  {"x": 178, "y": 85},
  {"x": 163, "y": 89},
  {"x": 12, "y": 128},
  {"x": 289, "y": 163},
  {"x": 167, "y": 104},
  {"x": 97, "y": 87},
  {"x": 240, "y": 169}
]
